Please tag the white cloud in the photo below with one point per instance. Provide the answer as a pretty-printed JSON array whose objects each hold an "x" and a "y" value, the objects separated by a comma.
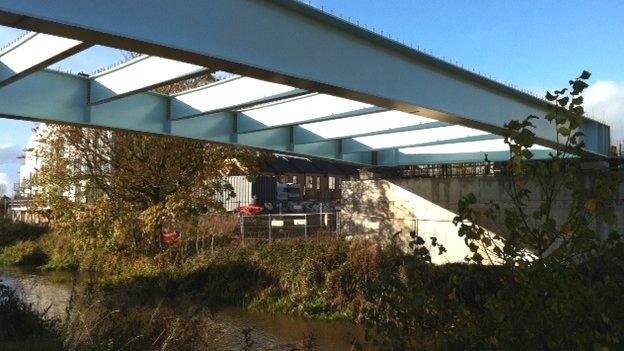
[
  {"x": 605, "y": 101},
  {"x": 9, "y": 154}
]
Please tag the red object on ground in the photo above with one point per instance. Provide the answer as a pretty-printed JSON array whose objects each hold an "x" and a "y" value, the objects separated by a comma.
[
  {"x": 171, "y": 238},
  {"x": 251, "y": 210}
]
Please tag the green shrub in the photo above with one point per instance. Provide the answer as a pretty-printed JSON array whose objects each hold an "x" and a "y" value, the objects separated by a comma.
[
  {"x": 23, "y": 328},
  {"x": 23, "y": 253},
  {"x": 405, "y": 302},
  {"x": 11, "y": 232}
]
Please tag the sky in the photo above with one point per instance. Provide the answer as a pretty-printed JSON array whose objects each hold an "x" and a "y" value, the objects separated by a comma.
[{"x": 534, "y": 45}]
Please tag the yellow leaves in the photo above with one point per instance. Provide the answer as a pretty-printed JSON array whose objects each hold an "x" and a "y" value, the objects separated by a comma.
[
  {"x": 566, "y": 229},
  {"x": 122, "y": 186},
  {"x": 404, "y": 275},
  {"x": 452, "y": 296},
  {"x": 591, "y": 205}
]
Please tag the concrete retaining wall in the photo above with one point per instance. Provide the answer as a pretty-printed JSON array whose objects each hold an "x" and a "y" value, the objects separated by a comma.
[{"x": 428, "y": 206}]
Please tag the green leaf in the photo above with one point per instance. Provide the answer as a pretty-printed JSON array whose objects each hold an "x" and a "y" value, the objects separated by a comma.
[
  {"x": 579, "y": 110},
  {"x": 527, "y": 154},
  {"x": 550, "y": 97},
  {"x": 550, "y": 116},
  {"x": 563, "y": 101},
  {"x": 564, "y": 131},
  {"x": 578, "y": 100},
  {"x": 578, "y": 86},
  {"x": 585, "y": 75}
]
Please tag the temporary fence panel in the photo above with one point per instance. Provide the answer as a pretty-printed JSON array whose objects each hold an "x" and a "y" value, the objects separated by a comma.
[{"x": 288, "y": 226}]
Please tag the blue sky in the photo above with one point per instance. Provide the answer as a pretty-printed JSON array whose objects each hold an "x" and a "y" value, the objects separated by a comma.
[{"x": 535, "y": 45}]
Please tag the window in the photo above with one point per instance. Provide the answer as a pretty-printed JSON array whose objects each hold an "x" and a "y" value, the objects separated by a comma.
[
  {"x": 309, "y": 182},
  {"x": 294, "y": 179},
  {"x": 331, "y": 183},
  {"x": 318, "y": 183}
]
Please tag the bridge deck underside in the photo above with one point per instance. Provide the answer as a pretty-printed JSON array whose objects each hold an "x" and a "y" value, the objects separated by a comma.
[{"x": 366, "y": 100}]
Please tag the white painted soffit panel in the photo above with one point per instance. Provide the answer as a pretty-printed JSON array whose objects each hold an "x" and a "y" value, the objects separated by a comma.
[
  {"x": 33, "y": 49},
  {"x": 368, "y": 123},
  {"x": 418, "y": 137},
  {"x": 303, "y": 109},
  {"x": 143, "y": 72},
  {"x": 492, "y": 145},
  {"x": 231, "y": 92}
]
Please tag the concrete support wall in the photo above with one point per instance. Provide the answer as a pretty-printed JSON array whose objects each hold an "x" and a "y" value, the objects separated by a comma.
[
  {"x": 446, "y": 193},
  {"x": 428, "y": 206},
  {"x": 381, "y": 208}
]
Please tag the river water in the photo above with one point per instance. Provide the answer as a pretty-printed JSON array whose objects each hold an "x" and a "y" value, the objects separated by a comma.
[{"x": 52, "y": 290}]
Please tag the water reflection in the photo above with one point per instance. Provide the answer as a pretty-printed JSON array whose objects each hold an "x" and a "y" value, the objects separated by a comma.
[{"x": 52, "y": 291}]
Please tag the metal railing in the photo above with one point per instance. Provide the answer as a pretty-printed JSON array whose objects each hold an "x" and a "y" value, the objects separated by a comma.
[{"x": 270, "y": 227}]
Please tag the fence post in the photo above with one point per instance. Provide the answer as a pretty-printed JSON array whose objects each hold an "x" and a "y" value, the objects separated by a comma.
[
  {"x": 305, "y": 227},
  {"x": 242, "y": 226},
  {"x": 270, "y": 225},
  {"x": 337, "y": 214},
  {"x": 321, "y": 216}
]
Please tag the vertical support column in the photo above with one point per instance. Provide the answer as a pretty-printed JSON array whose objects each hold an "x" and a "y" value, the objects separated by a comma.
[
  {"x": 167, "y": 127},
  {"x": 305, "y": 228},
  {"x": 291, "y": 138},
  {"x": 339, "y": 146},
  {"x": 234, "y": 137}
]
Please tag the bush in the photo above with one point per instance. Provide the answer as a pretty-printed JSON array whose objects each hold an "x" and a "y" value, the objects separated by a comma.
[
  {"x": 11, "y": 232},
  {"x": 405, "y": 302},
  {"x": 23, "y": 253},
  {"x": 23, "y": 328}
]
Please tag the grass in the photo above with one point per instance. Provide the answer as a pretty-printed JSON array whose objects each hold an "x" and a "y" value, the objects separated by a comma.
[
  {"x": 11, "y": 232},
  {"x": 96, "y": 321},
  {"x": 23, "y": 327},
  {"x": 434, "y": 307}
]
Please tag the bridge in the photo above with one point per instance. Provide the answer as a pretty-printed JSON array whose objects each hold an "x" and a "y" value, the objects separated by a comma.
[{"x": 304, "y": 82}]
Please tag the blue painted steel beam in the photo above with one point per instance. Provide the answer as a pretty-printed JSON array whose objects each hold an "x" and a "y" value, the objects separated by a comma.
[
  {"x": 299, "y": 46},
  {"x": 33, "y": 52},
  {"x": 51, "y": 96},
  {"x": 231, "y": 94},
  {"x": 143, "y": 73},
  {"x": 304, "y": 136},
  {"x": 249, "y": 125}
]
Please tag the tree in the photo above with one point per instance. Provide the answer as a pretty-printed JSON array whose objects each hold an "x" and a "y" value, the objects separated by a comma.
[
  {"x": 556, "y": 278},
  {"x": 538, "y": 237},
  {"x": 115, "y": 188}
]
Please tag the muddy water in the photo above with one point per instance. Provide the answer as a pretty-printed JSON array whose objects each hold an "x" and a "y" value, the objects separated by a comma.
[{"x": 52, "y": 290}]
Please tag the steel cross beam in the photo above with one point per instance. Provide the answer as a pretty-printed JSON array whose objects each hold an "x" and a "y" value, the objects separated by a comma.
[
  {"x": 140, "y": 74},
  {"x": 287, "y": 42},
  {"x": 61, "y": 97},
  {"x": 33, "y": 52}
]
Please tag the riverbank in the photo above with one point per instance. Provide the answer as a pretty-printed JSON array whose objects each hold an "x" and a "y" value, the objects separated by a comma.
[
  {"x": 230, "y": 326},
  {"x": 400, "y": 298}
]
